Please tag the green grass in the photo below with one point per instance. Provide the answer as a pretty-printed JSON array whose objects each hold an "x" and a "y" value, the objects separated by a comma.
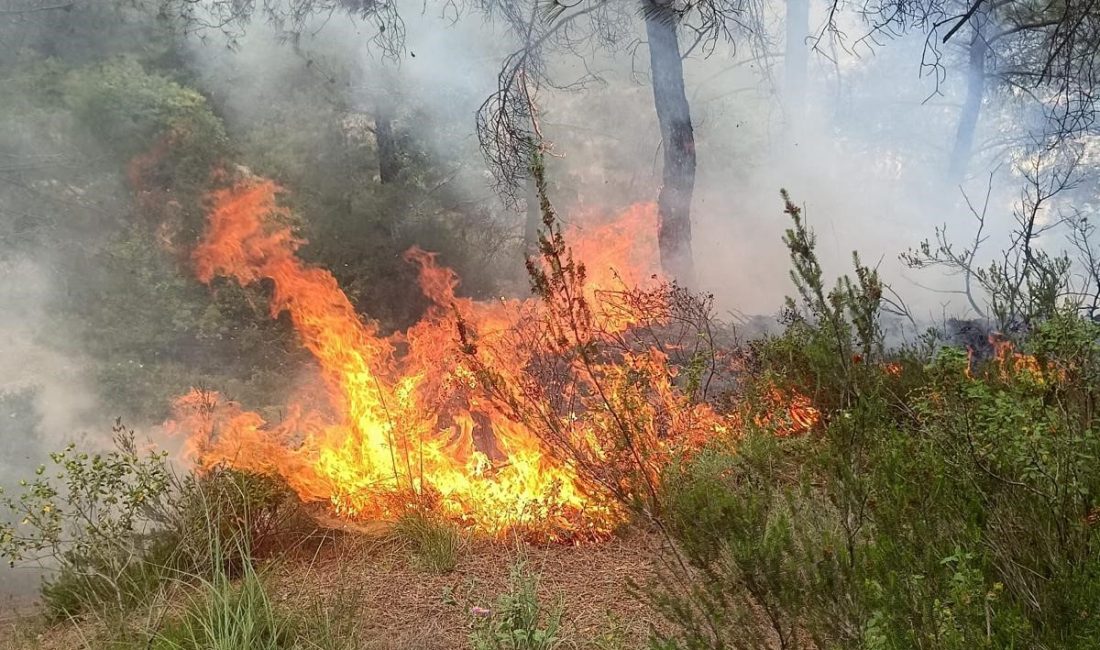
[
  {"x": 223, "y": 613},
  {"x": 436, "y": 545},
  {"x": 226, "y": 616}
]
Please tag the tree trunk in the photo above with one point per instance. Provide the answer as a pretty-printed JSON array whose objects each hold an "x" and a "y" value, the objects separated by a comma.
[
  {"x": 674, "y": 117},
  {"x": 975, "y": 91}
]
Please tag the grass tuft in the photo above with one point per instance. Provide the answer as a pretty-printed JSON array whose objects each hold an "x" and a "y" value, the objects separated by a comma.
[{"x": 436, "y": 544}]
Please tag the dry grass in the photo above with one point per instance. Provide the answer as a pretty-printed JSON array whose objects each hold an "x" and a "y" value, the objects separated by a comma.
[{"x": 372, "y": 581}]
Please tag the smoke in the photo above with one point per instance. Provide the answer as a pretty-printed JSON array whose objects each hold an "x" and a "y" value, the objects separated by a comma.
[
  {"x": 863, "y": 144},
  {"x": 62, "y": 399},
  {"x": 45, "y": 399}
]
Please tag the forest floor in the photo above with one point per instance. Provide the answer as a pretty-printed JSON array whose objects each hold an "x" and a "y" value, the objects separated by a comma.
[{"x": 395, "y": 605}]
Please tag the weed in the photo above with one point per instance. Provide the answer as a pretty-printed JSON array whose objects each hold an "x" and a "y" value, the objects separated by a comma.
[{"x": 519, "y": 621}]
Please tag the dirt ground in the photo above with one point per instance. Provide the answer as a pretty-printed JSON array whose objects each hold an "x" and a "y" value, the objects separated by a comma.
[{"x": 395, "y": 605}]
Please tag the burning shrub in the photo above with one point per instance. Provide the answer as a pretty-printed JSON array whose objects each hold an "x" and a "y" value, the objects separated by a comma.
[
  {"x": 598, "y": 387},
  {"x": 541, "y": 415}
]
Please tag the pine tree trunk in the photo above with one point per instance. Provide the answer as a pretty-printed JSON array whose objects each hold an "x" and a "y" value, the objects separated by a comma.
[
  {"x": 674, "y": 117},
  {"x": 968, "y": 120}
]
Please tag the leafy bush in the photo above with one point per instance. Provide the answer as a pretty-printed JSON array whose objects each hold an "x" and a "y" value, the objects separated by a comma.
[
  {"x": 118, "y": 526},
  {"x": 436, "y": 544},
  {"x": 131, "y": 107},
  {"x": 93, "y": 517}
]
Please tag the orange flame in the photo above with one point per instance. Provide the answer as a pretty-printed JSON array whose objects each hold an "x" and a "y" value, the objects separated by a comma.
[
  {"x": 787, "y": 413},
  {"x": 408, "y": 427}
]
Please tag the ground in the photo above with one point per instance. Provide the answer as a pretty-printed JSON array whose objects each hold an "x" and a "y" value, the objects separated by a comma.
[{"x": 396, "y": 605}]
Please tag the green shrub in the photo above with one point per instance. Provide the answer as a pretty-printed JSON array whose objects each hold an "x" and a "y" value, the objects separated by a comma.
[
  {"x": 101, "y": 583},
  {"x": 92, "y": 517},
  {"x": 131, "y": 106},
  {"x": 117, "y": 527},
  {"x": 946, "y": 502}
]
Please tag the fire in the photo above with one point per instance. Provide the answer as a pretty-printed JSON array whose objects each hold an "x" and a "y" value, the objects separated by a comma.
[
  {"x": 408, "y": 427},
  {"x": 1011, "y": 363},
  {"x": 787, "y": 413},
  {"x": 495, "y": 414}
]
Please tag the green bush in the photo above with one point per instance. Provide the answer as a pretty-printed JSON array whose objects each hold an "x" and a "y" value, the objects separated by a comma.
[
  {"x": 92, "y": 517},
  {"x": 107, "y": 582},
  {"x": 132, "y": 106},
  {"x": 117, "y": 527},
  {"x": 942, "y": 501}
]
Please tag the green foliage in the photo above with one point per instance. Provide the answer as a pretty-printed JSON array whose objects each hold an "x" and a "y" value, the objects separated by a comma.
[
  {"x": 941, "y": 504},
  {"x": 117, "y": 527},
  {"x": 436, "y": 544},
  {"x": 132, "y": 107},
  {"x": 102, "y": 583},
  {"x": 94, "y": 515},
  {"x": 519, "y": 621},
  {"x": 158, "y": 332},
  {"x": 119, "y": 228}
]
